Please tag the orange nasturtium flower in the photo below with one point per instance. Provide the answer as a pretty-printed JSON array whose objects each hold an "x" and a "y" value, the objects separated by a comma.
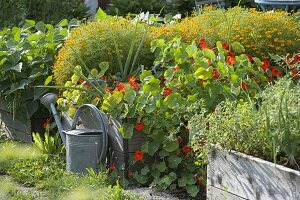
[
  {"x": 230, "y": 58},
  {"x": 46, "y": 123},
  {"x": 138, "y": 155},
  {"x": 167, "y": 92},
  {"x": 244, "y": 85},
  {"x": 274, "y": 71}
]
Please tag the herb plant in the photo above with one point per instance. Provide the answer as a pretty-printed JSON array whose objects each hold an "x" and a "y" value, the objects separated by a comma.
[{"x": 268, "y": 129}]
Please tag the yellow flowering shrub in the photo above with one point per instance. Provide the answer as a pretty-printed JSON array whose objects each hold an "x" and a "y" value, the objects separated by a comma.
[
  {"x": 94, "y": 43},
  {"x": 259, "y": 32}
]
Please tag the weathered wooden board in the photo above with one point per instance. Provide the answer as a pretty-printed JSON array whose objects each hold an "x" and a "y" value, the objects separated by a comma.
[
  {"x": 13, "y": 128},
  {"x": 214, "y": 193},
  {"x": 124, "y": 149},
  {"x": 248, "y": 177}
]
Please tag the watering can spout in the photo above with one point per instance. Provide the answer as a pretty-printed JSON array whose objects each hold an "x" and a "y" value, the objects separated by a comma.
[{"x": 49, "y": 100}]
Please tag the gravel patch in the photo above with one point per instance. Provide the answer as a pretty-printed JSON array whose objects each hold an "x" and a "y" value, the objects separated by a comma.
[{"x": 152, "y": 194}]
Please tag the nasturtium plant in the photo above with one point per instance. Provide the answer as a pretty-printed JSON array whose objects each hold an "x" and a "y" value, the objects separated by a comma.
[{"x": 188, "y": 78}]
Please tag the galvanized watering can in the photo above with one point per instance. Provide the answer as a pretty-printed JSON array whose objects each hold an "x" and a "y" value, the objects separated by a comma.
[{"x": 85, "y": 147}]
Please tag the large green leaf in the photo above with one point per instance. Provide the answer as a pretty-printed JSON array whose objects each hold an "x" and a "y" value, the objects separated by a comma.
[
  {"x": 145, "y": 170},
  {"x": 161, "y": 167},
  {"x": 174, "y": 161},
  {"x": 62, "y": 23},
  {"x": 142, "y": 179},
  {"x": 150, "y": 147},
  {"x": 191, "y": 49},
  {"x": 40, "y": 26},
  {"x": 17, "y": 86},
  {"x": 17, "y": 67},
  {"x": 170, "y": 145},
  {"x": 209, "y": 54},
  {"x": 193, "y": 190},
  {"x": 129, "y": 95},
  {"x": 204, "y": 73},
  {"x": 100, "y": 15},
  {"x": 237, "y": 47},
  {"x": 103, "y": 68}
]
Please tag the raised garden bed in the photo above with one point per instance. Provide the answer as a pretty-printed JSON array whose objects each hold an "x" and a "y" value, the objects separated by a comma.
[{"x": 236, "y": 176}]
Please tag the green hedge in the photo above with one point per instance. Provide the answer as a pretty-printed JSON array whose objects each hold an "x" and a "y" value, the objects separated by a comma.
[{"x": 14, "y": 12}]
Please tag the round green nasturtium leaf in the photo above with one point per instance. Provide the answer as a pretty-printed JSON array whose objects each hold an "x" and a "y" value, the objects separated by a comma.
[
  {"x": 237, "y": 47},
  {"x": 174, "y": 161},
  {"x": 161, "y": 167},
  {"x": 150, "y": 147},
  {"x": 142, "y": 179},
  {"x": 170, "y": 145},
  {"x": 192, "y": 190}
]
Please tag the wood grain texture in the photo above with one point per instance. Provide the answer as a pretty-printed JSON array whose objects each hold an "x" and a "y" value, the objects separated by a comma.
[
  {"x": 14, "y": 129},
  {"x": 251, "y": 178}
]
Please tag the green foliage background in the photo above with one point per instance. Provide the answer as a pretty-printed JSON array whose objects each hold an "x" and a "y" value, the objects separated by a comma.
[{"x": 14, "y": 12}]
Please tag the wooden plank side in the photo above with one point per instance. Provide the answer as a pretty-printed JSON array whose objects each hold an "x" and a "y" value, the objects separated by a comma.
[
  {"x": 15, "y": 129},
  {"x": 17, "y": 134},
  {"x": 214, "y": 193},
  {"x": 252, "y": 178}
]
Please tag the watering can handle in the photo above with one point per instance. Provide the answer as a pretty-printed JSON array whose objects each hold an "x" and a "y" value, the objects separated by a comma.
[{"x": 101, "y": 118}]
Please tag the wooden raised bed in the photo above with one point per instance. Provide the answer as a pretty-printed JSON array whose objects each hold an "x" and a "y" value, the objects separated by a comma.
[
  {"x": 12, "y": 128},
  {"x": 236, "y": 176}
]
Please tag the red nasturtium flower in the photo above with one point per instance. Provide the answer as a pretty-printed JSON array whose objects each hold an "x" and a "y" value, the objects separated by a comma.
[
  {"x": 244, "y": 85},
  {"x": 265, "y": 65},
  {"x": 176, "y": 68},
  {"x": 120, "y": 87},
  {"x": 138, "y": 155},
  {"x": 112, "y": 166},
  {"x": 46, "y": 123},
  {"x": 225, "y": 45},
  {"x": 216, "y": 74},
  {"x": 139, "y": 126},
  {"x": 179, "y": 139},
  {"x": 203, "y": 45},
  {"x": 230, "y": 58},
  {"x": 185, "y": 149},
  {"x": 87, "y": 85},
  {"x": 133, "y": 83},
  {"x": 295, "y": 73},
  {"x": 135, "y": 86},
  {"x": 107, "y": 89},
  {"x": 274, "y": 71},
  {"x": 250, "y": 57},
  {"x": 81, "y": 80},
  {"x": 295, "y": 60},
  {"x": 131, "y": 79},
  {"x": 167, "y": 92}
]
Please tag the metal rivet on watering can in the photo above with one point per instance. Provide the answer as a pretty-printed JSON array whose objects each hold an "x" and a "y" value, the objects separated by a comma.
[{"x": 85, "y": 148}]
